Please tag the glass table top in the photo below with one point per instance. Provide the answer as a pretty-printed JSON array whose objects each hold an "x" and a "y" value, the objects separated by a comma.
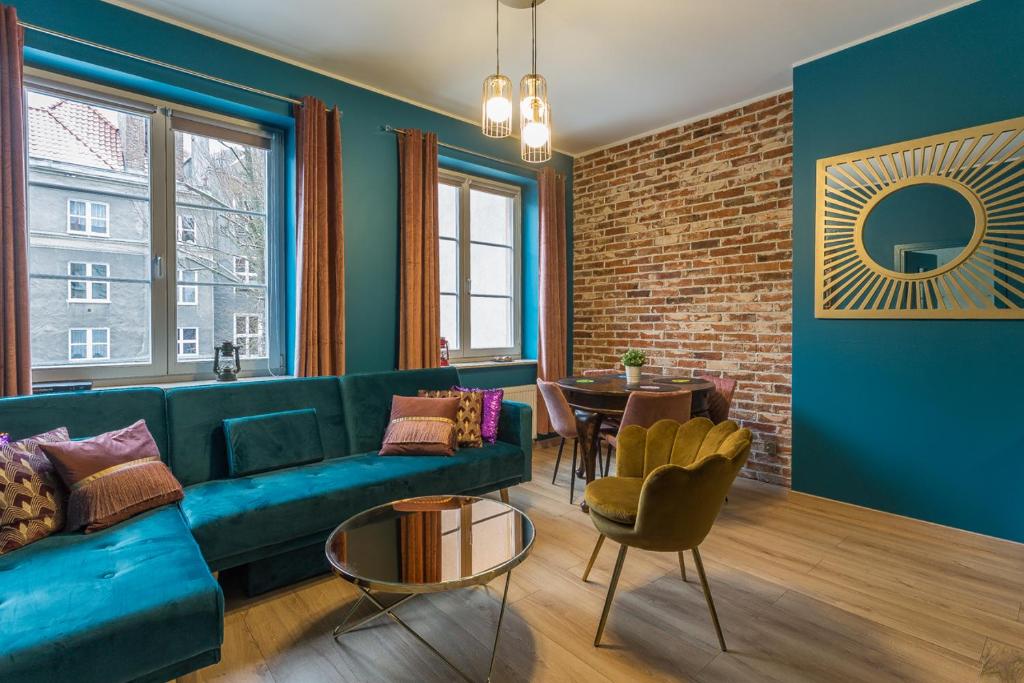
[{"x": 429, "y": 544}]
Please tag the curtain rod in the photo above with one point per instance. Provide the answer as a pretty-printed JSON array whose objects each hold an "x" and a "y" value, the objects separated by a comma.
[
  {"x": 402, "y": 131},
  {"x": 157, "y": 62}
]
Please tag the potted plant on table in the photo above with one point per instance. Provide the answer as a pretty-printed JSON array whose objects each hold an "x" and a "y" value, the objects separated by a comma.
[{"x": 633, "y": 359}]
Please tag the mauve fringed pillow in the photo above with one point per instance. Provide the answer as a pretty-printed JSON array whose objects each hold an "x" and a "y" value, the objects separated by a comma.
[
  {"x": 421, "y": 426},
  {"x": 112, "y": 477}
]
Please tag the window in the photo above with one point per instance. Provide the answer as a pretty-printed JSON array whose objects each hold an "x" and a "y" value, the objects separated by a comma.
[
  {"x": 188, "y": 295},
  {"x": 88, "y": 291},
  {"x": 187, "y": 229},
  {"x": 249, "y": 336},
  {"x": 480, "y": 266},
  {"x": 88, "y": 218},
  {"x": 88, "y": 344},
  {"x": 197, "y": 245},
  {"x": 188, "y": 342},
  {"x": 244, "y": 272}
]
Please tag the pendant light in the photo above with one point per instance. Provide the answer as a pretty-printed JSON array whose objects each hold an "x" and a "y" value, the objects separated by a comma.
[
  {"x": 496, "y": 103},
  {"x": 534, "y": 110}
]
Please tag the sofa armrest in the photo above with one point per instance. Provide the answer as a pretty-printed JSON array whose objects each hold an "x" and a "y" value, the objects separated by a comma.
[{"x": 515, "y": 426}]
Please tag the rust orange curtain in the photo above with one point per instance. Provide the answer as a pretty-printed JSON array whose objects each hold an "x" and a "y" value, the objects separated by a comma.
[
  {"x": 554, "y": 305},
  {"x": 419, "y": 320},
  {"x": 15, "y": 357},
  {"x": 421, "y": 547},
  {"x": 321, "y": 233}
]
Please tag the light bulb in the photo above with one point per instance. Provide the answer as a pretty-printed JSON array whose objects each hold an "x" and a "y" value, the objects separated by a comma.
[
  {"x": 499, "y": 109},
  {"x": 535, "y": 134}
]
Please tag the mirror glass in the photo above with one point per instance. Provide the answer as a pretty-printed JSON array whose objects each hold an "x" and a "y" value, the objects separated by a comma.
[{"x": 919, "y": 228}]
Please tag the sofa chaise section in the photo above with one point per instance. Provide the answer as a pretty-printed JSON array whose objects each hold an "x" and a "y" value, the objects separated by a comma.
[{"x": 134, "y": 602}]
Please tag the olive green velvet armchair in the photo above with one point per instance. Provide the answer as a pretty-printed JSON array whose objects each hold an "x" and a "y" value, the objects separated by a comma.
[{"x": 671, "y": 483}]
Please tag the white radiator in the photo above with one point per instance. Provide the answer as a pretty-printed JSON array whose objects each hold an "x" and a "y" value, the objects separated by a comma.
[{"x": 526, "y": 393}]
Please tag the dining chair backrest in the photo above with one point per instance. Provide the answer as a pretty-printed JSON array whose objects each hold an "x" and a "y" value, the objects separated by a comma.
[
  {"x": 559, "y": 411},
  {"x": 601, "y": 372},
  {"x": 720, "y": 400},
  {"x": 644, "y": 408}
]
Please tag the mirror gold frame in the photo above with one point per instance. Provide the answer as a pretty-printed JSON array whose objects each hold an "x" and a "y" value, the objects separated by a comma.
[{"x": 985, "y": 165}]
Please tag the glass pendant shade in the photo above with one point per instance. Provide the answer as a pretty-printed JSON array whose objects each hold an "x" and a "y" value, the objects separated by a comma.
[
  {"x": 496, "y": 107},
  {"x": 534, "y": 119}
]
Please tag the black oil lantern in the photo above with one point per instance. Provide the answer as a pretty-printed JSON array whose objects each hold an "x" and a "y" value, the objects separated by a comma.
[{"x": 226, "y": 372}]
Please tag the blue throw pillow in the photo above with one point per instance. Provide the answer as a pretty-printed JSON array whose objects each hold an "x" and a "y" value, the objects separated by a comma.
[{"x": 261, "y": 443}]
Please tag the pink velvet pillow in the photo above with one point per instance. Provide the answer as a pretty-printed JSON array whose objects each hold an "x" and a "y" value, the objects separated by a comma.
[
  {"x": 112, "y": 477},
  {"x": 490, "y": 413}
]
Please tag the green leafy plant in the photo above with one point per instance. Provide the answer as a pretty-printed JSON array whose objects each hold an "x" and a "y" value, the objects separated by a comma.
[{"x": 634, "y": 358}]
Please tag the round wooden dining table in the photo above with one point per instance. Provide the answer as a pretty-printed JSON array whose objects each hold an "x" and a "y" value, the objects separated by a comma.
[{"x": 597, "y": 398}]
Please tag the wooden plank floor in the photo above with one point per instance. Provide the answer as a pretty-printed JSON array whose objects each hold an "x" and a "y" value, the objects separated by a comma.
[{"x": 806, "y": 589}]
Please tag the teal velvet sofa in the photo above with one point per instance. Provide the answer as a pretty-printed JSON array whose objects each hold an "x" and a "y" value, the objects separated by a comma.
[{"x": 138, "y": 602}]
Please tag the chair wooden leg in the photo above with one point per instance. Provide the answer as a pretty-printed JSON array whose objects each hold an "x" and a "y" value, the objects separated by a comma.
[
  {"x": 611, "y": 594},
  {"x": 707, "y": 596},
  {"x": 593, "y": 557},
  {"x": 682, "y": 565},
  {"x": 558, "y": 460},
  {"x": 607, "y": 460},
  {"x": 572, "y": 477},
  {"x": 504, "y": 496}
]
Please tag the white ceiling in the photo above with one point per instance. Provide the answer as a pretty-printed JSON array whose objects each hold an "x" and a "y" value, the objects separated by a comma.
[{"x": 615, "y": 68}]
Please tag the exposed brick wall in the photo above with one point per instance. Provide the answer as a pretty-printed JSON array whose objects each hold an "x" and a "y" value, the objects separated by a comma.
[{"x": 682, "y": 246}]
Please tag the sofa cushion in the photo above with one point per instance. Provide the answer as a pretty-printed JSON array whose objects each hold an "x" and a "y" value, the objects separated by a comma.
[
  {"x": 116, "y": 605},
  {"x": 231, "y": 518},
  {"x": 368, "y": 400},
  {"x": 261, "y": 443},
  {"x": 86, "y": 413},
  {"x": 196, "y": 416}
]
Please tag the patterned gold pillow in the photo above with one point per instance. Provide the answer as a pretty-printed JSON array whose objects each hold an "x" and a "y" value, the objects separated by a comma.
[
  {"x": 467, "y": 423},
  {"x": 31, "y": 495}
]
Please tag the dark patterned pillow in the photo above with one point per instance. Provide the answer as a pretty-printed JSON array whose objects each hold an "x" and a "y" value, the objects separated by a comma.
[
  {"x": 467, "y": 423},
  {"x": 31, "y": 495}
]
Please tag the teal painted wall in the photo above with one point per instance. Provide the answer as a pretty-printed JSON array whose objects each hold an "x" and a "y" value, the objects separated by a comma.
[
  {"x": 369, "y": 155},
  {"x": 919, "y": 418}
]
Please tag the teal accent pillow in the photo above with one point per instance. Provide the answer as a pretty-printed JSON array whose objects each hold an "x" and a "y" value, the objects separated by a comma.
[{"x": 273, "y": 441}]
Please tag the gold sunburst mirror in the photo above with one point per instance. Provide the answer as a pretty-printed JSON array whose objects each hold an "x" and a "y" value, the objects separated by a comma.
[{"x": 927, "y": 228}]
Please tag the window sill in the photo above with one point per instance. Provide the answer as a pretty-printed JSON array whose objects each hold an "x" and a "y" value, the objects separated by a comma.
[
  {"x": 172, "y": 384},
  {"x": 481, "y": 364}
]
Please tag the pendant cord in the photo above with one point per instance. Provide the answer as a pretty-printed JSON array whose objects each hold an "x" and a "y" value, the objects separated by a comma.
[
  {"x": 534, "y": 10},
  {"x": 497, "y": 37}
]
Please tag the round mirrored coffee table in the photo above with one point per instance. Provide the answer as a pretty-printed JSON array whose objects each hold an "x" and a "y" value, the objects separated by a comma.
[{"x": 428, "y": 545}]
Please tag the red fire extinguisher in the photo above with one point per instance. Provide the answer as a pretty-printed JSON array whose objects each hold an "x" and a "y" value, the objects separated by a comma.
[{"x": 444, "y": 352}]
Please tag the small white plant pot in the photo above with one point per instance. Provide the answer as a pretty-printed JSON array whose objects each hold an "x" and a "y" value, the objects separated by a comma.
[{"x": 633, "y": 374}]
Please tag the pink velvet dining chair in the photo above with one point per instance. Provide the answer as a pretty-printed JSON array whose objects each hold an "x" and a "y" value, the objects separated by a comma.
[
  {"x": 563, "y": 421},
  {"x": 644, "y": 408},
  {"x": 720, "y": 400}
]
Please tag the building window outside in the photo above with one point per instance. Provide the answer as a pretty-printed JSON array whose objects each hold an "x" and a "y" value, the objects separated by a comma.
[
  {"x": 88, "y": 344},
  {"x": 188, "y": 295},
  {"x": 88, "y": 291},
  {"x": 249, "y": 336},
  {"x": 186, "y": 229},
  {"x": 91, "y": 156},
  {"x": 479, "y": 223},
  {"x": 188, "y": 342},
  {"x": 88, "y": 218}
]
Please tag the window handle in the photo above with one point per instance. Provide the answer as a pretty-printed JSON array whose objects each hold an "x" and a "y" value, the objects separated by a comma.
[{"x": 158, "y": 267}]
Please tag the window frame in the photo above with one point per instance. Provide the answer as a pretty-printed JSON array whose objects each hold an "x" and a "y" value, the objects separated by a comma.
[
  {"x": 89, "y": 279},
  {"x": 163, "y": 364},
  {"x": 90, "y": 343},
  {"x": 88, "y": 232},
  {"x": 246, "y": 335},
  {"x": 181, "y": 341},
  {"x": 466, "y": 183}
]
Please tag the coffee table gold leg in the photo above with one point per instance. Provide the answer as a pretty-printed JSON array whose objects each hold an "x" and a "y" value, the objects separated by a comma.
[
  {"x": 497, "y": 631},
  {"x": 342, "y": 629}
]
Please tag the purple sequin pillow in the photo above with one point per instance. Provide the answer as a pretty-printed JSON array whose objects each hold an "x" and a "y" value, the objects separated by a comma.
[{"x": 490, "y": 413}]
